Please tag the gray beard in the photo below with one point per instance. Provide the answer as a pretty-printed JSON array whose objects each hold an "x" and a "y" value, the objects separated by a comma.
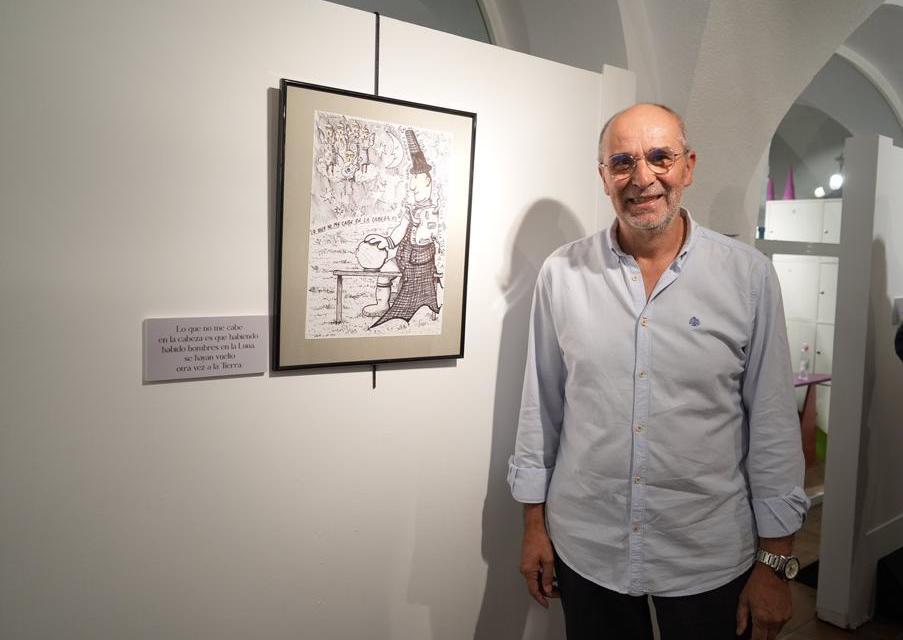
[{"x": 659, "y": 228}]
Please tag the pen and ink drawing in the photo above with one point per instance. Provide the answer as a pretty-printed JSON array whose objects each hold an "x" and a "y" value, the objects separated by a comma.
[
  {"x": 377, "y": 245},
  {"x": 373, "y": 227}
]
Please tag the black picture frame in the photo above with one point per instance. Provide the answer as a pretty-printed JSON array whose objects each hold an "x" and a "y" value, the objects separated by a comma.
[{"x": 374, "y": 194}]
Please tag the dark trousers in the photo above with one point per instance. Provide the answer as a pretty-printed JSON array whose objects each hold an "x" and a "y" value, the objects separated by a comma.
[{"x": 592, "y": 612}]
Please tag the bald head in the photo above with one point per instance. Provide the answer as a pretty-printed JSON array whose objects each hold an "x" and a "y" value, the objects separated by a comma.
[{"x": 638, "y": 109}]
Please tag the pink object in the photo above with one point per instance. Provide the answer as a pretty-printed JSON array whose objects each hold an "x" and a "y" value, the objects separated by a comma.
[
  {"x": 769, "y": 189},
  {"x": 789, "y": 189}
]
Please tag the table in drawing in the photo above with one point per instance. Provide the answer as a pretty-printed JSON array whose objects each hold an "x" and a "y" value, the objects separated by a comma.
[
  {"x": 807, "y": 415},
  {"x": 367, "y": 273}
]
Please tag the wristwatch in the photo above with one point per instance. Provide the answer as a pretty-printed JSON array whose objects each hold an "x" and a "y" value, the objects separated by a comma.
[{"x": 786, "y": 567}]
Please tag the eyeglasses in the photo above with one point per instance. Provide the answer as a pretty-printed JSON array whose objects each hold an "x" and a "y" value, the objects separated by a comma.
[{"x": 659, "y": 161}]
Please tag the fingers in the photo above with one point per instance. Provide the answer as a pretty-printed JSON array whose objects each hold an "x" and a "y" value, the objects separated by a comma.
[
  {"x": 539, "y": 572},
  {"x": 534, "y": 586},
  {"x": 760, "y": 631},
  {"x": 742, "y": 615},
  {"x": 764, "y": 629},
  {"x": 548, "y": 578},
  {"x": 377, "y": 241}
]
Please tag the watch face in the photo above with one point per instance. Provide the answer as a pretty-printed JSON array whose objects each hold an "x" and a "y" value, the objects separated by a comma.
[{"x": 792, "y": 568}]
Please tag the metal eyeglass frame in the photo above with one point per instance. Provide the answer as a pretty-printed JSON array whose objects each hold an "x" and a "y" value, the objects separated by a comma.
[{"x": 656, "y": 170}]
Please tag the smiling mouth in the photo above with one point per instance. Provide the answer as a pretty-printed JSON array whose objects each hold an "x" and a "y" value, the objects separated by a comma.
[{"x": 643, "y": 199}]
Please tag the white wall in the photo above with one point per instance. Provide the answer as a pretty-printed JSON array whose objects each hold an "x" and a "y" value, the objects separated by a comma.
[
  {"x": 885, "y": 403},
  {"x": 863, "y": 510},
  {"x": 810, "y": 142},
  {"x": 462, "y": 17},
  {"x": 137, "y": 180},
  {"x": 732, "y": 68},
  {"x": 847, "y": 96},
  {"x": 663, "y": 42},
  {"x": 755, "y": 59},
  {"x": 581, "y": 33}
]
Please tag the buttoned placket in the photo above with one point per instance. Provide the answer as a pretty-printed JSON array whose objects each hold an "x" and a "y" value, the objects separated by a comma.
[{"x": 641, "y": 403}]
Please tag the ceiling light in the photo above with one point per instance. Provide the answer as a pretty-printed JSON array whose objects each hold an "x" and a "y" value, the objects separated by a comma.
[
  {"x": 835, "y": 181},
  {"x": 819, "y": 192}
]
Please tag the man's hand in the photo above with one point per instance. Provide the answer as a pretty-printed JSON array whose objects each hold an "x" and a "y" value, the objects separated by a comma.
[
  {"x": 537, "y": 562},
  {"x": 766, "y": 597},
  {"x": 380, "y": 242}
]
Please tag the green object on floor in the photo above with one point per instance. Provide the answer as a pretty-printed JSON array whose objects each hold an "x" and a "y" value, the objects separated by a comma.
[{"x": 821, "y": 444}]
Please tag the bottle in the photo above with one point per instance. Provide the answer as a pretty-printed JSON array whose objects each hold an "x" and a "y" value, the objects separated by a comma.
[{"x": 804, "y": 362}]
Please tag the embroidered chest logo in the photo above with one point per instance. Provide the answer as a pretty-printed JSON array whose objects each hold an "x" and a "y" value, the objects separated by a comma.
[{"x": 694, "y": 321}]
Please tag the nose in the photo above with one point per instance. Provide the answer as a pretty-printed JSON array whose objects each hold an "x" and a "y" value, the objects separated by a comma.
[{"x": 642, "y": 175}]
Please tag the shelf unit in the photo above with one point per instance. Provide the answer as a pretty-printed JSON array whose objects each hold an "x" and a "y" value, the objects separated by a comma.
[{"x": 802, "y": 239}]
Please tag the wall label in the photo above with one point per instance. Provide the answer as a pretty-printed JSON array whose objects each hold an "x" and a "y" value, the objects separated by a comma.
[{"x": 185, "y": 348}]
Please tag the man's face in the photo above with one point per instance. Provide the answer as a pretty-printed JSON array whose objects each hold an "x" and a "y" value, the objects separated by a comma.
[
  {"x": 420, "y": 186},
  {"x": 645, "y": 200}
]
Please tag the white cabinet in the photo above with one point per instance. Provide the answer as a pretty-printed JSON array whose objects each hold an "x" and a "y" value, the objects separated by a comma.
[
  {"x": 831, "y": 225},
  {"x": 808, "y": 283},
  {"x": 809, "y": 291},
  {"x": 824, "y": 348},
  {"x": 816, "y": 220},
  {"x": 827, "y": 290},
  {"x": 798, "y": 276},
  {"x": 824, "y": 355},
  {"x": 800, "y": 332}
]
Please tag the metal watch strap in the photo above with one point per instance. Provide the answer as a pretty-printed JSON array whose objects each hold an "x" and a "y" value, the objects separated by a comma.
[
  {"x": 785, "y": 567},
  {"x": 773, "y": 560}
]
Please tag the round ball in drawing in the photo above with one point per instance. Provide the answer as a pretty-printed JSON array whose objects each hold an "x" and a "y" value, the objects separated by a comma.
[{"x": 371, "y": 257}]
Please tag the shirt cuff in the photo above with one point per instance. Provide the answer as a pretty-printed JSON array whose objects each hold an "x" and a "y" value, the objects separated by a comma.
[
  {"x": 528, "y": 485},
  {"x": 780, "y": 516}
]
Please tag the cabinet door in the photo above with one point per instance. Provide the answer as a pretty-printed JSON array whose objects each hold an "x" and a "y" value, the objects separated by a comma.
[
  {"x": 831, "y": 224},
  {"x": 824, "y": 348},
  {"x": 798, "y": 276},
  {"x": 794, "y": 220},
  {"x": 827, "y": 291}
]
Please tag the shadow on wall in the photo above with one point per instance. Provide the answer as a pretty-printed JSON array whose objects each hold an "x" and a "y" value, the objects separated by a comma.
[
  {"x": 508, "y": 612},
  {"x": 882, "y": 404},
  {"x": 877, "y": 352},
  {"x": 726, "y": 217}
]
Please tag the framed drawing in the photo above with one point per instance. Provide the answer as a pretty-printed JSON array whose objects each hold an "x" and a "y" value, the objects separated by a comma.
[{"x": 373, "y": 228}]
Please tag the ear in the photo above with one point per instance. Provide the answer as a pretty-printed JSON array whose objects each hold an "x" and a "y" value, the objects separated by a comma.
[
  {"x": 691, "y": 164},
  {"x": 601, "y": 170}
]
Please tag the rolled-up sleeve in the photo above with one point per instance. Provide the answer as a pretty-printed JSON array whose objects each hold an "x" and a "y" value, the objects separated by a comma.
[
  {"x": 774, "y": 462},
  {"x": 542, "y": 404}
]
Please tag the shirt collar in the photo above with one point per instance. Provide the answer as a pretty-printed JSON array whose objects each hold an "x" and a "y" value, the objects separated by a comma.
[{"x": 611, "y": 239}]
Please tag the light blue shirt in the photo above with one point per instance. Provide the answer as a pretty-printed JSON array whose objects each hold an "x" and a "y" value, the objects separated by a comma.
[{"x": 662, "y": 435}]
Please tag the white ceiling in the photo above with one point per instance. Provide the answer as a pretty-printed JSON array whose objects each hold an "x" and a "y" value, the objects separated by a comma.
[
  {"x": 876, "y": 50},
  {"x": 560, "y": 32}
]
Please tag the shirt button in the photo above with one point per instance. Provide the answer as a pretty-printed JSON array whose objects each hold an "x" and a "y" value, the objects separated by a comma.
[
  {"x": 637, "y": 480},
  {"x": 636, "y": 528},
  {"x": 634, "y": 278},
  {"x": 645, "y": 322},
  {"x": 639, "y": 428},
  {"x": 642, "y": 375}
]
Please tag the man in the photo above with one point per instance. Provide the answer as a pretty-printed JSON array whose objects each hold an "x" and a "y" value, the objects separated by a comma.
[
  {"x": 414, "y": 241},
  {"x": 658, "y": 448}
]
